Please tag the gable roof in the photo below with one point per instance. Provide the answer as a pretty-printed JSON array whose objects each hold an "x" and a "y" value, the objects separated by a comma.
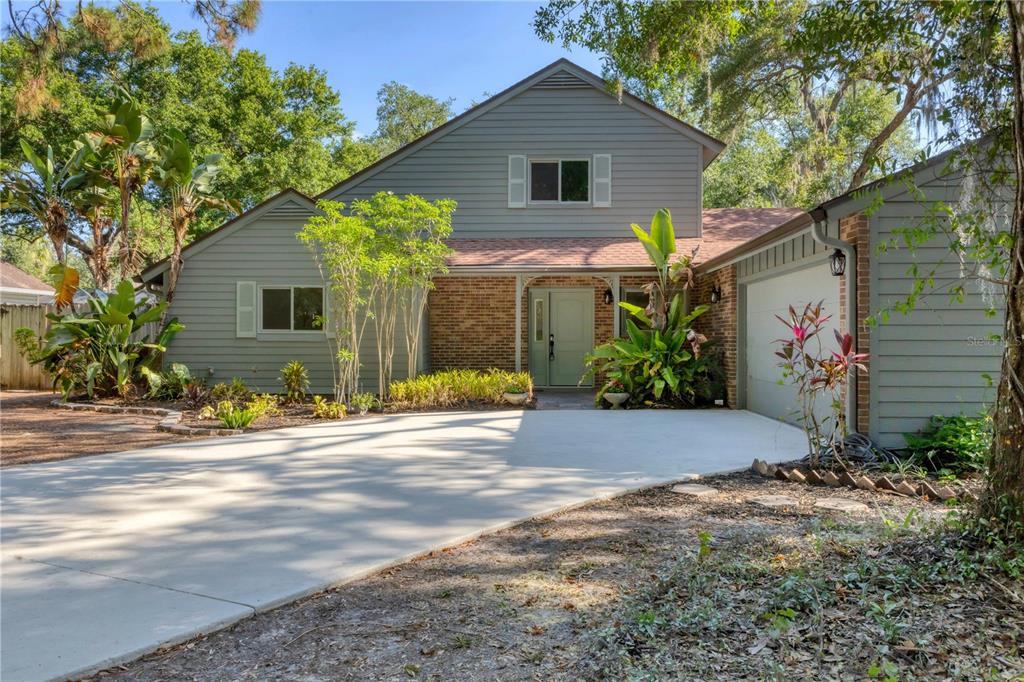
[
  {"x": 213, "y": 236},
  {"x": 724, "y": 228},
  {"x": 848, "y": 202},
  {"x": 552, "y": 73},
  {"x": 12, "y": 277}
]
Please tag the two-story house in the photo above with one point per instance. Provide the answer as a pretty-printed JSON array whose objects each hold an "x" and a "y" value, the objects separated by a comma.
[{"x": 548, "y": 175}]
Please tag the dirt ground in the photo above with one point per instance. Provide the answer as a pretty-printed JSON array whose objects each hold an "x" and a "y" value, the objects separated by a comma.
[
  {"x": 653, "y": 585},
  {"x": 33, "y": 431}
]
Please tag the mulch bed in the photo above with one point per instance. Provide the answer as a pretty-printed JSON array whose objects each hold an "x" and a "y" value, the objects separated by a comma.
[
  {"x": 33, "y": 431},
  {"x": 652, "y": 585}
]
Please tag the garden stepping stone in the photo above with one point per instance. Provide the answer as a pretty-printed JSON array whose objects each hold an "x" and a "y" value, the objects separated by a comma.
[
  {"x": 841, "y": 504},
  {"x": 695, "y": 490},
  {"x": 775, "y": 501}
]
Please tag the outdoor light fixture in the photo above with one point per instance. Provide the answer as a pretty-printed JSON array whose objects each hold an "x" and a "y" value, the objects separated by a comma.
[
  {"x": 716, "y": 294},
  {"x": 837, "y": 263},
  {"x": 608, "y": 297}
]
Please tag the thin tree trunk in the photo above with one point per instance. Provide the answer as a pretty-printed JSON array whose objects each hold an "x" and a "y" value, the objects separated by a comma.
[{"x": 1004, "y": 498}]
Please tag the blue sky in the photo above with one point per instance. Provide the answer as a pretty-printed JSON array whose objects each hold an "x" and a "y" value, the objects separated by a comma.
[{"x": 445, "y": 49}]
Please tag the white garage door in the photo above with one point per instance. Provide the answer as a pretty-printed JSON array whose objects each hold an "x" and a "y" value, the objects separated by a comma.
[{"x": 770, "y": 297}]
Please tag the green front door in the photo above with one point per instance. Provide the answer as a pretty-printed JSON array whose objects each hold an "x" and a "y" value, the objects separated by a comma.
[{"x": 561, "y": 334}]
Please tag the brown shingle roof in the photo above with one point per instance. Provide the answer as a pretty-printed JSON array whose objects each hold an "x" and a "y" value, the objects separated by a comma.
[
  {"x": 15, "y": 278},
  {"x": 724, "y": 229}
]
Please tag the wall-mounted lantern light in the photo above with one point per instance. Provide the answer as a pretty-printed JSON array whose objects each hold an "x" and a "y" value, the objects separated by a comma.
[
  {"x": 837, "y": 263},
  {"x": 716, "y": 294},
  {"x": 608, "y": 297}
]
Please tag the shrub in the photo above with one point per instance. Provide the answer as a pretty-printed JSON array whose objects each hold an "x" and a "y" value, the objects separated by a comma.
[
  {"x": 195, "y": 394},
  {"x": 327, "y": 409},
  {"x": 103, "y": 350},
  {"x": 264, "y": 405},
  {"x": 452, "y": 387},
  {"x": 236, "y": 392},
  {"x": 230, "y": 417},
  {"x": 815, "y": 371},
  {"x": 236, "y": 417},
  {"x": 295, "y": 380},
  {"x": 952, "y": 445},
  {"x": 363, "y": 402},
  {"x": 169, "y": 385}
]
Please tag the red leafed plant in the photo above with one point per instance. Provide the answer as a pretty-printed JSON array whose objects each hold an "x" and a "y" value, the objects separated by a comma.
[{"x": 818, "y": 373}]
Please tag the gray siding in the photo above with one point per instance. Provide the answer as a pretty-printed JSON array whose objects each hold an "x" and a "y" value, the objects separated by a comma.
[
  {"x": 932, "y": 360},
  {"x": 799, "y": 249},
  {"x": 653, "y": 166},
  {"x": 265, "y": 251}
]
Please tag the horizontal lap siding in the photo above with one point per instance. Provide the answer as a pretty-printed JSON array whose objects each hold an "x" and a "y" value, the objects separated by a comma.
[
  {"x": 931, "y": 361},
  {"x": 265, "y": 251},
  {"x": 795, "y": 250},
  {"x": 653, "y": 166}
]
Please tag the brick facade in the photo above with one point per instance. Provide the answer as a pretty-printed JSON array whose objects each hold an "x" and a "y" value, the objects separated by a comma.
[
  {"x": 472, "y": 318},
  {"x": 719, "y": 322},
  {"x": 855, "y": 229},
  {"x": 473, "y": 322}
]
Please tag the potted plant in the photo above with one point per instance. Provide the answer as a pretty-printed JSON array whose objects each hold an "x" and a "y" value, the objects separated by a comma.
[
  {"x": 364, "y": 402},
  {"x": 615, "y": 393},
  {"x": 516, "y": 394}
]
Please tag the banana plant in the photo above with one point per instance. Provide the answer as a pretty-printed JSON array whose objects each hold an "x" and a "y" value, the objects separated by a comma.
[
  {"x": 104, "y": 350},
  {"x": 189, "y": 186},
  {"x": 660, "y": 245}
]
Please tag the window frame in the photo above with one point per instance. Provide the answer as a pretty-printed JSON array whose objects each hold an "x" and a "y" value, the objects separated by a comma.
[
  {"x": 291, "y": 307},
  {"x": 623, "y": 313},
  {"x": 530, "y": 160}
]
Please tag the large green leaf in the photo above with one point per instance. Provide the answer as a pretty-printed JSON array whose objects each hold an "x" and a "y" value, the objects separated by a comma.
[
  {"x": 653, "y": 252},
  {"x": 663, "y": 234}
]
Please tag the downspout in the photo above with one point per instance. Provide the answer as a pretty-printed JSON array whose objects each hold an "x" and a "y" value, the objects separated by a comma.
[{"x": 820, "y": 217}]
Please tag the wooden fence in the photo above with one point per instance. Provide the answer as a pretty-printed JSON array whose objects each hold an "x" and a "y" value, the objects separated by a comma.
[{"x": 15, "y": 372}]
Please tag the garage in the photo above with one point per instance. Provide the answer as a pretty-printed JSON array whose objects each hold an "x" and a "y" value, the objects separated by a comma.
[{"x": 764, "y": 299}]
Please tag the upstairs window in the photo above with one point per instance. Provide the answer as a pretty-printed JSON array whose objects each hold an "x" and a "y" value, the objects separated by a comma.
[
  {"x": 284, "y": 309},
  {"x": 565, "y": 181}
]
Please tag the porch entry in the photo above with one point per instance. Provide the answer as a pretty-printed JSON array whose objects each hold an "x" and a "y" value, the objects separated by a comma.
[{"x": 561, "y": 330}]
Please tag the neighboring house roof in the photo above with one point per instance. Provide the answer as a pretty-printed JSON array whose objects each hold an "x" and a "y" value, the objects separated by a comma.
[
  {"x": 16, "y": 279},
  {"x": 724, "y": 228},
  {"x": 712, "y": 146},
  {"x": 242, "y": 219}
]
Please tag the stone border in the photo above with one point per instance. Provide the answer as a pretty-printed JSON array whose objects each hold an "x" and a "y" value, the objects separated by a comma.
[
  {"x": 882, "y": 484},
  {"x": 170, "y": 422}
]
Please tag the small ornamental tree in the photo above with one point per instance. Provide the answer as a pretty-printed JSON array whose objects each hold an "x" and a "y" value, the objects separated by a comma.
[
  {"x": 341, "y": 247},
  {"x": 378, "y": 261},
  {"x": 807, "y": 365}
]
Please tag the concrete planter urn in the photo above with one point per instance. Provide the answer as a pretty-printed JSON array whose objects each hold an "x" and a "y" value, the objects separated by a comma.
[
  {"x": 516, "y": 398},
  {"x": 616, "y": 399}
]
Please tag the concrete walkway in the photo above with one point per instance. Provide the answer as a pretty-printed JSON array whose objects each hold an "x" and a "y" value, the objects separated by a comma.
[{"x": 108, "y": 557}]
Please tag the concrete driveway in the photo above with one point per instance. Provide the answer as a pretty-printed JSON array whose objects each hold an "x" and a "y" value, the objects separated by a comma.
[{"x": 108, "y": 557}]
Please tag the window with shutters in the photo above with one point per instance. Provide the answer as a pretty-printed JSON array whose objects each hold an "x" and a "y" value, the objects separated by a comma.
[
  {"x": 559, "y": 181},
  {"x": 291, "y": 308}
]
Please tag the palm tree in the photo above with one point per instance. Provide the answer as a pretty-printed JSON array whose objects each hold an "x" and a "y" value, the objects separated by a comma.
[
  {"x": 42, "y": 195},
  {"x": 189, "y": 186}
]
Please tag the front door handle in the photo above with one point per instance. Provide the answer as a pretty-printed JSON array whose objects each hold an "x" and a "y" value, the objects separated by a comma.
[{"x": 551, "y": 346}]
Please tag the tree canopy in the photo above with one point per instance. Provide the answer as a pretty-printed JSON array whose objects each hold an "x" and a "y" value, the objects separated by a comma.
[{"x": 404, "y": 115}]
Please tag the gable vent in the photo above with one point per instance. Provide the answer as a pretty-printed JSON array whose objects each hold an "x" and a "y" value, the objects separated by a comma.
[{"x": 562, "y": 80}]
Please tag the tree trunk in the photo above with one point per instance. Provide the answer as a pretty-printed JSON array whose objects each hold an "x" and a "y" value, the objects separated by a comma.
[{"x": 1004, "y": 499}]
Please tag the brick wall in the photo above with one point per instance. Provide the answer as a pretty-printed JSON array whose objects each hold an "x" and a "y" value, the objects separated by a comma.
[
  {"x": 855, "y": 229},
  {"x": 719, "y": 322},
  {"x": 473, "y": 322}
]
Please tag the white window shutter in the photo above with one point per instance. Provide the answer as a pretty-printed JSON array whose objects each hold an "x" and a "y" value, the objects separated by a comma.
[
  {"x": 602, "y": 180},
  {"x": 245, "y": 309},
  {"x": 516, "y": 181}
]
